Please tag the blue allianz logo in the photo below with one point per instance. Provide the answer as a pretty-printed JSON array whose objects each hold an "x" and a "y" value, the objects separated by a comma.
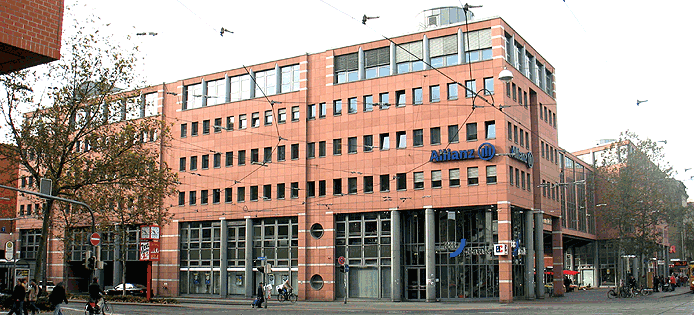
[
  {"x": 460, "y": 248},
  {"x": 486, "y": 151}
]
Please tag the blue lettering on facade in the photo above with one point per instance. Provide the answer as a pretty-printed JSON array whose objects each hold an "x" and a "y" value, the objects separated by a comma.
[
  {"x": 485, "y": 152},
  {"x": 526, "y": 158}
]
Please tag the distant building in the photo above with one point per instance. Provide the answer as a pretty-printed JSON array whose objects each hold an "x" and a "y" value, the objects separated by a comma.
[{"x": 30, "y": 33}]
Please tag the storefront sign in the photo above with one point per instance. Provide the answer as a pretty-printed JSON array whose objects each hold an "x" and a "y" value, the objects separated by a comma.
[
  {"x": 526, "y": 157},
  {"x": 486, "y": 152}
]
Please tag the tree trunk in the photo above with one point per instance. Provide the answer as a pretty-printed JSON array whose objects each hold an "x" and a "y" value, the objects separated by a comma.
[
  {"x": 41, "y": 257},
  {"x": 123, "y": 253}
]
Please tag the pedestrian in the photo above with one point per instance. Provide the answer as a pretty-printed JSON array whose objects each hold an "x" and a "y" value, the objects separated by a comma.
[
  {"x": 673, "y": 281},
  {"x": 32, "y": 295},
  {"x": 655, "y": 282},
  {"x": 57, "y": 297},
  {"x": 18, "y": 295},
  {"x": 260, "y": 296}
]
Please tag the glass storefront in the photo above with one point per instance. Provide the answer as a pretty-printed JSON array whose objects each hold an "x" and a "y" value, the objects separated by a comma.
[{"x": 200, "y": 251}]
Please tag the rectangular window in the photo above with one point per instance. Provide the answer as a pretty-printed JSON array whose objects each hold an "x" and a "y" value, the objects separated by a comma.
[
  {"x": 510, "y": 175},
  {"x": 434, "y": 93},
  {"x": 281, "y": 115},
  {"x": 471, "y": 129},
  {"x": 194, "y": 128},
  {"x": 509, "y": 128},
  {"x": 418, "y": 137},
  {"x": 206, "y": 127},
  {"x": 181, "y": 198},
  {"x": 255, "y": 120},
  {"x": 435, "y": 135},
  {"x": 417, "y": 96},
  {"x": 337, "y": 146},
  {"x": 454, "y": 177},
  {"x": 217, "y": 160},
  {"x": 352, "y": 145},
  {"x": 470, "y": 88},
  {"x": 525, "y": 99},
  {"x": 295, "y": 190},
  {"x": 515, "y": 134},
  {"x": 280, "y": 190},
  {"x": 192, "y": 198},
  {"x": 205, "y": 161},
  {"x": 401, "y": 181},
  {"x": 181, "y": 165},
  {"x": 489, "y": 86},
  {"x": 521, "y": 141},
  {"x": 436, "y": 179},
  {"x": 401, "y": 139},
  {"x": 368, "y": 143},
  {"x": 295, "y": 113},
  {"x": 384, "y": 143},
  {"x": 255, "y": 156},
  {"x": 322, "y": 150},
  {"x": 337, "y": 107},
  {"x": 230, "y": 123},
  {"x": 267, "y": 155},
  {"x": 295, "y": 151},
  {"x": 193, "y": 163},
  {"x": 520, "y": 95},
  {"x": 418, "y": 180},
  {"x": 400, "y": 98},
  {"x": 243, "y": 123},
  {"x": 513, "y": 89},
  {"x": 268, "y": 117},
  {"x": 227, "y": 195},
  {"x": 311, "y": 111},
  {"x": 311, "y": 150},
  {"x": 203, "y": 197},
  {"x": 229, "y": 159},
  {"x": 453, "y": 134},
  {"x": 241, "y": 194},
  {"x": 352, "y": 185},
  {"x": 472, "y": 176},
  {"x": 384, "y": 100},
  {"x": 490, "y": 129},
  {"x": 368, "y": 103},
  {"x": 322, "y": 110},
  {"x": 217, "y": 125},
  {"x": 517, "y": 177},
  {"x": 491, "y": 174},
  {"x": 337, "y": 186},
  {"x": 267, "y": 192},
  {"x": 310, "y": 189},
  {"x": 322, "y": 188},
  {"x": 281, "y": 153},
  {"x": 522, "y": 179},
  {"x": 508, "y": 89},
  {"x": 368, "y": 184},
  {"x": 184, "y": 130},
  {"x": 352, "y": 105},
  {"x": 528, "y": 180},
  {"x": 527, "y": 141},
  {"x": 385, "y": 183},
  {"x": 242, "y": 157},
  {"x": 452, "y": 91}
]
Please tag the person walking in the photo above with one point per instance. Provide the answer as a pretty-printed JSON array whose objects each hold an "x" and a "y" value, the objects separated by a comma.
[
  {"x": 57, "y": 298},
  {"x": 655, "y": 283},
  {"x": 260, "y": 296},
  {"x": 18, "y": 295},
  {"x": 32, "y": 296}
]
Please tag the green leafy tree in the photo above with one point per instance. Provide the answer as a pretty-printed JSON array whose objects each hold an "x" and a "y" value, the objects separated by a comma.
[{"x": 78, "y": 133}]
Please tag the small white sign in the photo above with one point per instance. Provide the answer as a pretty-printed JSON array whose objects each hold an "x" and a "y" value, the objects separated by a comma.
[
  {"x": 500, "y": 249},
  {"x": 9, "y": 250}
]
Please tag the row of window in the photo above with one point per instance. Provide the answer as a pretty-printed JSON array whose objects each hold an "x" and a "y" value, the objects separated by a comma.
[
  {"x": 528, "y": 65},
  {"x": 29, "y": 210},
  {"x": 518, "y": 136},
  {"x": 548, "y": 116},
  {"x": 319, "y": 188},
  {"x": 337, "y": 146},
  {"x": 519, "y": 178},
  {"x": 242, "y": 87},
  {"x": 320, "y": 110},
  {"x": 550, "y": 190},
  {"x": 549, "y": 153}
]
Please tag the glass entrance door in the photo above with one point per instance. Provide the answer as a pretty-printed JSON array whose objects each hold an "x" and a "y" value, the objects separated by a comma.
[{"x": 416, "y": 283}]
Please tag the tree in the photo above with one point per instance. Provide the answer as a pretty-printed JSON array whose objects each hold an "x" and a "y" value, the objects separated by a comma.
[
  {"x": 638, "y": 194},
  {"x": 78, "y": 134}
]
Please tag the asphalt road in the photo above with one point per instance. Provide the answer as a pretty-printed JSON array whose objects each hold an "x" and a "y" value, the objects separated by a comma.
[{"x": 588, "y": 302}]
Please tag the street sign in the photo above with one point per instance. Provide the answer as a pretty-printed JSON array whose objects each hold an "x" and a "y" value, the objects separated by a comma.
[
  {"x": 95, "y": 239},
  {"x": 346, "y": 268},
  {"x": 144, "y": 251},
  {"x": 149, "y": 251},
  {"x": 9, "y": 250},
  {"x": 341, "y": 260},
  {"x": 262, "y": 258}
]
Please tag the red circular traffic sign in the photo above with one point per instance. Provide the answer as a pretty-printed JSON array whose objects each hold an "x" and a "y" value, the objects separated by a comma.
[
  {"x": 341, "y": 260},
  {"x": 95, "y": 239}
]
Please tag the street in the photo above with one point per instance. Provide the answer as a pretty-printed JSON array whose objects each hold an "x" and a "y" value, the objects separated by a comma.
[{"x": 582, "y": 302}]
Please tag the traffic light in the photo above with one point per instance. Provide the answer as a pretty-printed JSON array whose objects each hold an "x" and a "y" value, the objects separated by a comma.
[
  {"x": 342, "y": 268},
  {"x": 87, "y": 256},
  {"x": 91, "y": 263}
]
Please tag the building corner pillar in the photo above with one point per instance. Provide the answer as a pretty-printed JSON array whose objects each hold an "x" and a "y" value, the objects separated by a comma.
[
  {"x": 429, "y": 248},
  {"x": 506, "y": 261},
  {"x": 558, "y": 257},
  {"x": 395, "y": 257},
  {"x": 223, "y": 273},
  {"x": 248, "y": 271},
  {"x": 539, "y": 256},
  {"x": 529, "y": 255}
]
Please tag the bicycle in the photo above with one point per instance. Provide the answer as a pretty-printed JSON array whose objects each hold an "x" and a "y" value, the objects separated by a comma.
[
  {"x": 91, "y": 308},
  {"x": 612, "y": 294},
  {"x": 287, "y": 296}
]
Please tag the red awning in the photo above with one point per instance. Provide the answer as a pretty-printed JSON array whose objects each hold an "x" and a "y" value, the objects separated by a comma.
[{"x": 570, "y": 272}]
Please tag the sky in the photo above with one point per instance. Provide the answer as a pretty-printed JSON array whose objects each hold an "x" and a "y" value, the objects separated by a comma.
[{"x": 607, "y": 54}]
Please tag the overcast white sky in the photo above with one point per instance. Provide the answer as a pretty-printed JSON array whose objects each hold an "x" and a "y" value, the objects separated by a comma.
[{"x": 607, "y": 54}]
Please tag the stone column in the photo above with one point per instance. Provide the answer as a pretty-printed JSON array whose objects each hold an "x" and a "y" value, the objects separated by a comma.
[
  {"x": 395, "y": 257},
  {"x": 393, "y": 64},
  {"x": 429, "y": 248},
  {"x": 361, "y": 68},
  {"x": 425, "y": 53},
  {"x": 248, "y": 273},
  {"x": 223, "y": 273},
  {"x": 505, "y": 262},
  {"x": 558, "y": 256},
  {"x": 529, "y": 255},
  {"x": 539, "y": 256}
]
